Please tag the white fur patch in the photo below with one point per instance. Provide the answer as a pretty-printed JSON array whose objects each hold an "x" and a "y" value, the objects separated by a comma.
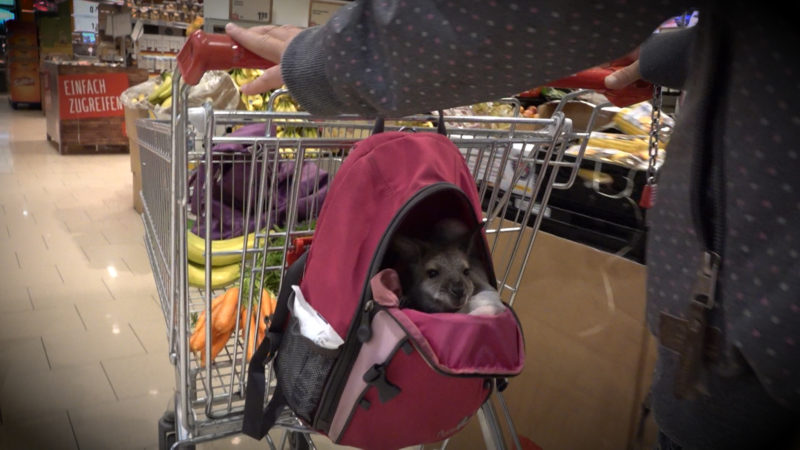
[{"x": 484, "y": 303}]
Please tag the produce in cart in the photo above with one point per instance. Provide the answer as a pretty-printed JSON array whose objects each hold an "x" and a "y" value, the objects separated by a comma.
[
  {"x": 221, "y": 276},
  {"x": 230, "y": 193},
  {"x": 196, "y": 248},
  {"x": 223, "y": 323},
  {"x": 258, "y": 323}
]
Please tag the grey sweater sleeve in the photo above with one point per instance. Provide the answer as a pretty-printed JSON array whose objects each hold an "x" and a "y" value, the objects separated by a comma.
[
  {"x": 408, "y": 56},
  {"x": 664, "y": 58}
]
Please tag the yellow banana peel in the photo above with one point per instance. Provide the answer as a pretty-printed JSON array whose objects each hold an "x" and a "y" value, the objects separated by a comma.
[
  {"x": 221, "y": 276},
  {"x": 195, "y": 249}
]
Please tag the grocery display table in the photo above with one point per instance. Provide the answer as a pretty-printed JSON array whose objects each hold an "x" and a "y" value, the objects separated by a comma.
[{"x": 82, "y": 105}]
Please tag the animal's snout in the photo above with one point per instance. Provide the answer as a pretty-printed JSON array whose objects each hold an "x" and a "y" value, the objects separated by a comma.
[{"x": 457, "y": 290}]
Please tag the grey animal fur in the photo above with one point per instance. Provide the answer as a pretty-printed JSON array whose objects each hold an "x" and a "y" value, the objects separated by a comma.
[{"x": 441, "y": 274}]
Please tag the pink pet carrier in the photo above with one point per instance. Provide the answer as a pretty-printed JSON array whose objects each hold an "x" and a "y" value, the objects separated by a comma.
[{"x": 402, "y": 377}]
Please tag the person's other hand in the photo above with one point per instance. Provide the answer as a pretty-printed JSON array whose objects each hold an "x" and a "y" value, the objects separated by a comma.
[
  {"x": 268, "y": 42},
  {"x": 624, "y": 76}
]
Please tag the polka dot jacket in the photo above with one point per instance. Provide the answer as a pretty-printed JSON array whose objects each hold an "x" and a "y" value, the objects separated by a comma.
[
  {"x": 742, "y": 106},
  {"x": 411, "y": 56}
]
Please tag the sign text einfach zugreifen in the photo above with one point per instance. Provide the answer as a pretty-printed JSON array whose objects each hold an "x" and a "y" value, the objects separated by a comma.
[{"x": 91, "y": 95}]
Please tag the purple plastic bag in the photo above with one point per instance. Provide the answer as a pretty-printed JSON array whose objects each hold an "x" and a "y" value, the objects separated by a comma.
[{"x": 230, "y": 184}]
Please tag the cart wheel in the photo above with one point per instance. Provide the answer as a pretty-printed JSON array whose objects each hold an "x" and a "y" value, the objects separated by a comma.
[
  {"x": 166, "y": 432},
  {"x": 14, "y": 105},
  {"x": 297, "y": 441}
]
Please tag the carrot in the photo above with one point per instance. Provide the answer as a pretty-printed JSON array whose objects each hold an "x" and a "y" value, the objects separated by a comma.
[
  {"x": 216, "y": 346},
  {"x": 198, "y": 338},
  {"x": 223, "y": 321},
  {"x": 268, "y": 304},
  {"x": 250, "y": 344},
  {"x": 226, "y": 319},
  {"x": 258, "y": 322}
]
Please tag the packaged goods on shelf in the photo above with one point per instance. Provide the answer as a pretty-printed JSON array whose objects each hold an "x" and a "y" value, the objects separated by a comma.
[{"x": 636, "y": 119}]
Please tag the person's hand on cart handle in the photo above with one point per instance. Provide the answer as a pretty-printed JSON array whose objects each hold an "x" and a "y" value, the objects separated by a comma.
[
  {"x": 624, "y": 76},
  {"x": 627, "y": 74},
  {"x": 268, "y": 42}
]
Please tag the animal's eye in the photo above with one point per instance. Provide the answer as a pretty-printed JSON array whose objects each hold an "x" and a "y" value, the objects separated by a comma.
[
  {"x": 433, "y": 273},
  {"x": 466, "y": 271}
]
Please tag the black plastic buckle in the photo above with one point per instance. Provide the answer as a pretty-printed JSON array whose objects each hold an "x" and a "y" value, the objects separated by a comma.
[
  {"x": 274, "y": 339},
  {"x": 376, "y": 376}
]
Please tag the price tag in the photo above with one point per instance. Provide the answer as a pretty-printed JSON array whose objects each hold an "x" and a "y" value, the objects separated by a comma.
[
  {"x": 320, "y": 11},
  {"x": 251, "y": 10},
  {"x": 86, "y": 23},
  {"x": 84, "y": 8}
]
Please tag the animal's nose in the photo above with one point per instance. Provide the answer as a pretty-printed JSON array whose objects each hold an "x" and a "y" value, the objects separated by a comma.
[{"x": 457, "y": 290}]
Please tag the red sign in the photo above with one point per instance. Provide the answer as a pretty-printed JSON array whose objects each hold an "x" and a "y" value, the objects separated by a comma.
[{"x": 91, "y": 95}]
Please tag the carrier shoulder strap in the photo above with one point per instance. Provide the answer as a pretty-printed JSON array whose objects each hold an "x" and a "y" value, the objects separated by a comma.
[{"x": 257, "y": 421}]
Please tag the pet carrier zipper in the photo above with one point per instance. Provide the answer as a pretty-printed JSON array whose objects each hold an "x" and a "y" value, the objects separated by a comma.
[
  {"x": 707, "y": 187},
  {"x": 695, "y": 340},
  {"x": 341, "y": 368}
]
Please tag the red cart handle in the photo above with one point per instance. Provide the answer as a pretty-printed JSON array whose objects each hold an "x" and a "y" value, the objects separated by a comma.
[
  {"x": 299, "y": 246},
  {"x": 594, "y": 79},
  {"x": 203, "y": 52}
]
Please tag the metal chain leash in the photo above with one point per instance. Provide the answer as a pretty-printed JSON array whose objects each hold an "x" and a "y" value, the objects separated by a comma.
[
  {"x": 655, "y": 128},
  {"x": 649, "y": 191}
]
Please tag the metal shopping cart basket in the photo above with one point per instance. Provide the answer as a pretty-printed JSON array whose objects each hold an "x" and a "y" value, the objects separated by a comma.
[{"x": 214, "y": 176}]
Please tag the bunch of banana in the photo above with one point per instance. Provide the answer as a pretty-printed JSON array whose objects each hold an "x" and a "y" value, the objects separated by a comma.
[
  {"x": 220, "y": 276},
  {"x": 163, "y": 91},
  {"x": 284, "y": 103},
  {"x": 225, "y": 257},
  {"x": 312, "y": 133},
  {"x": 297, "y": 133},
  {"x": 196, "y": 246},
  {"x": 244, "y": 76},
  {"x": 254, "y": 102},
  {"x": 196, "y": 24},
  {"x": 410, "y": 123},
  {"x": 288, "y": 133}
]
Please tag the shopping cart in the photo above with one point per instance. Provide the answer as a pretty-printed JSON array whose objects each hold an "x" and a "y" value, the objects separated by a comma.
[{"x": 207, "y": 173}]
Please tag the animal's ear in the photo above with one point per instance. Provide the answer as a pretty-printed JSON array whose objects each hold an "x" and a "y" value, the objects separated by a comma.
[
  {"x": 407, "y": 248},
  {"x": 473, "y": 238}
]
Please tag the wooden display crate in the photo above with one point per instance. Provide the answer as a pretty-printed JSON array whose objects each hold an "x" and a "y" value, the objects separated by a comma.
[{"x": 82, "y": 106}]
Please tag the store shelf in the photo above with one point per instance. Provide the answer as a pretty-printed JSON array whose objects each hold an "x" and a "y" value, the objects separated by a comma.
[{"x": 163, "y": 23}]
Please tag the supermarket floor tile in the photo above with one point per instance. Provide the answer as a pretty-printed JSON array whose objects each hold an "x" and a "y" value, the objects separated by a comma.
[
  {"x": 29, "y": 434},
  {"x": 123, "y": 424},
  {"x": 36, "y": 323},
  {"x": 105, "y": 315},
  {"x": 22, "y": 355},
  {"x": 124, "y": 284},
  {"x": 153, "y": 336},
  {"x": 26, "y": 395},
  {"x": 86, "y": 347},
  {"x": 140, "y": 375},
  {"x": 89, "y": 287},
  {"x": 75, "y": 281},
  {"x": 15, "y": 299}
]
